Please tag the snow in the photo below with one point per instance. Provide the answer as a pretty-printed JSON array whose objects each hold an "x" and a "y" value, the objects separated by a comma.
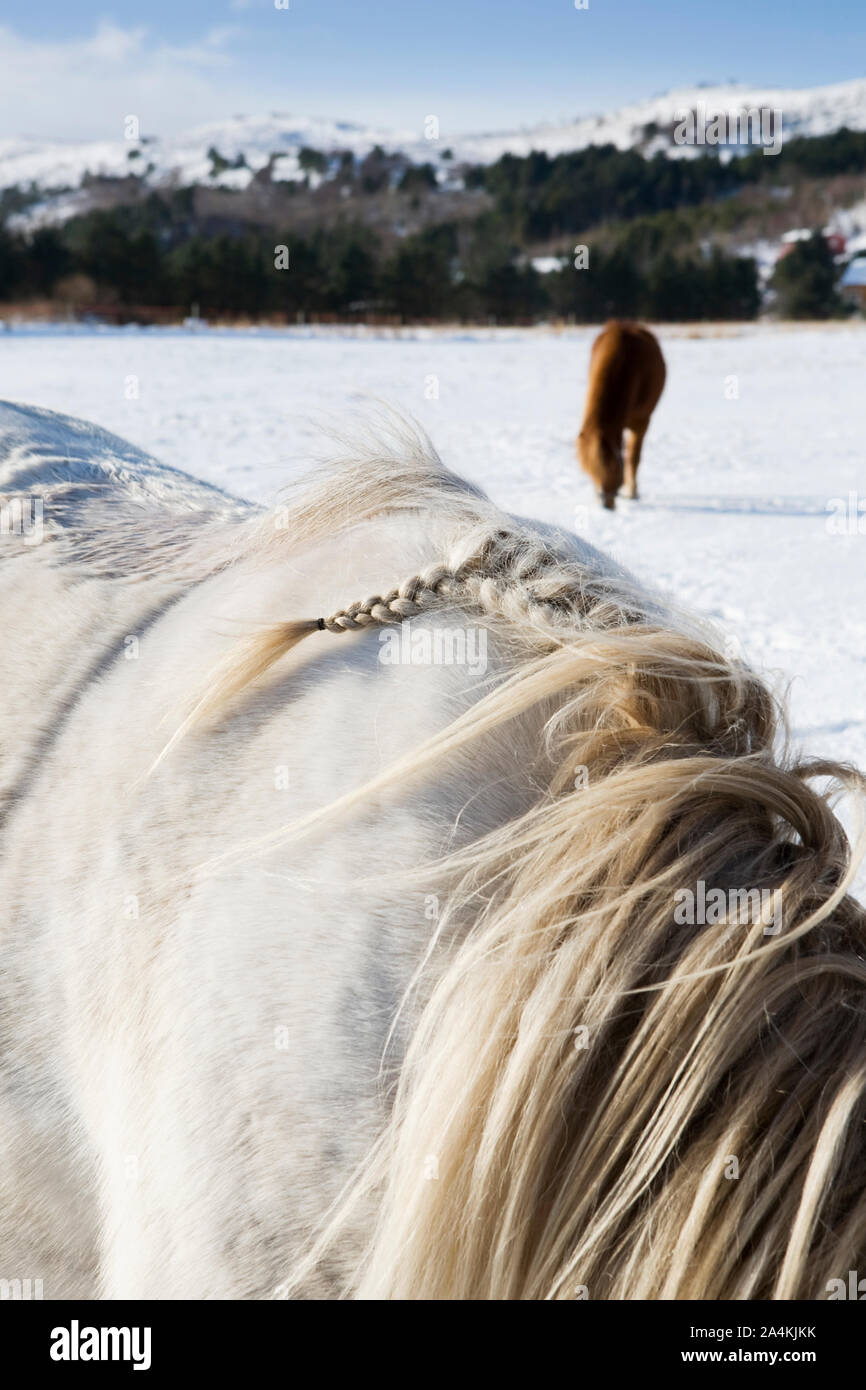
[
  {"x": 51, "y": 211},
  {"x": 850, "y": 223},
  {"x": 805, "y": 111},
  {"x": 756, "y": 446},
  {"x": 548, "y": 265},
  {"x": 58, "y": 164}
]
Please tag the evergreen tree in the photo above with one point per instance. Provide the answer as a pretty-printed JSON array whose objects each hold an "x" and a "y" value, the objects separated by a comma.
[
  {"x": 805, "y": 282},
  {"x": 418, "y": 277},
  {"x": 12, "y": 265}
]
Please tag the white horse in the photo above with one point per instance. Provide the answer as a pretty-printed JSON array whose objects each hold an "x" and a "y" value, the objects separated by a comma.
[{"x": 342, "y": 945}]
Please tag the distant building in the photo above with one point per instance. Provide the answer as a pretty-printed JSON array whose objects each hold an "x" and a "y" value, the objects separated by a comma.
[{"x": 853, "y": 283}]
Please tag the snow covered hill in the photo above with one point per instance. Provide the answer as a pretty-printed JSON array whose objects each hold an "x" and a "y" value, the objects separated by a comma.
[
  {"x": 184, "y": 158},
  {"x": 57, "y": 165},
  {"x": 805, "y": 111}
]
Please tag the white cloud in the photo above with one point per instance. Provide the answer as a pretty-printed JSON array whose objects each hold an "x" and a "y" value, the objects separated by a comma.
[{"x": 83, "y": 88}]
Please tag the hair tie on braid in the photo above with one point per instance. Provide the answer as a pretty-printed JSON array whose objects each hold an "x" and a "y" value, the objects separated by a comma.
[
  {"x": 501, "y": 574},
  {"x": 496, "y": 574}
]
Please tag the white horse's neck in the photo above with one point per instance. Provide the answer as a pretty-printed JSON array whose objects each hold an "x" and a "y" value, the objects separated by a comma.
[
  {"x": 210, "y": 943},
  {"x": 285, "y": 972}
]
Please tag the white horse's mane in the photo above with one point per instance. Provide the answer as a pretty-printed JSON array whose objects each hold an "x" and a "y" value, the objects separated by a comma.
[{"x": 559, "y": 1166}]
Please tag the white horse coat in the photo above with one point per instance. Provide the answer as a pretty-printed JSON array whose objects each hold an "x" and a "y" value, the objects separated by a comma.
[
  {"x": 207, "y": 993},
  {"x": 191, "y": 1066}
]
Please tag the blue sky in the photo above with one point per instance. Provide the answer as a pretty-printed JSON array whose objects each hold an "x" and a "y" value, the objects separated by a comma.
[{"x": 67, "y": 70}]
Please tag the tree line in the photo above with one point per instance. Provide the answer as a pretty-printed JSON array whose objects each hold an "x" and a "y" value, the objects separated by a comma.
[
  {"x": 649, "y": 253},
  {"x": 440, "y": 273},
  {"x": 540, "y": 196}
]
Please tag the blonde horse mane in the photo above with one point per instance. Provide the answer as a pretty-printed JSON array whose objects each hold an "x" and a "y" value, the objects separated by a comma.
[{"x": 598, "y": 1099}]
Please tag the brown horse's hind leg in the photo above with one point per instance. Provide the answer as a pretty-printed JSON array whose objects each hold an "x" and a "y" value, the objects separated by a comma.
[{"x": 634, "y": 444}]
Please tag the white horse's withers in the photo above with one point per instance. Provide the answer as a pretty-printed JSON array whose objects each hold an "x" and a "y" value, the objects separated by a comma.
[
  {"x": 297, "y": 914},
  {"x": 278, "y": 982}
]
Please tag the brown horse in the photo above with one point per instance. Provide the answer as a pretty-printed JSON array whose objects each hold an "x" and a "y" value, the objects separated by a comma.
[{"x": 626, "y": 378}]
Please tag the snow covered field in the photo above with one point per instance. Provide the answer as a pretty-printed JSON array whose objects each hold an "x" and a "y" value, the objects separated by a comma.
[{"x": 752, "y": 472}]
